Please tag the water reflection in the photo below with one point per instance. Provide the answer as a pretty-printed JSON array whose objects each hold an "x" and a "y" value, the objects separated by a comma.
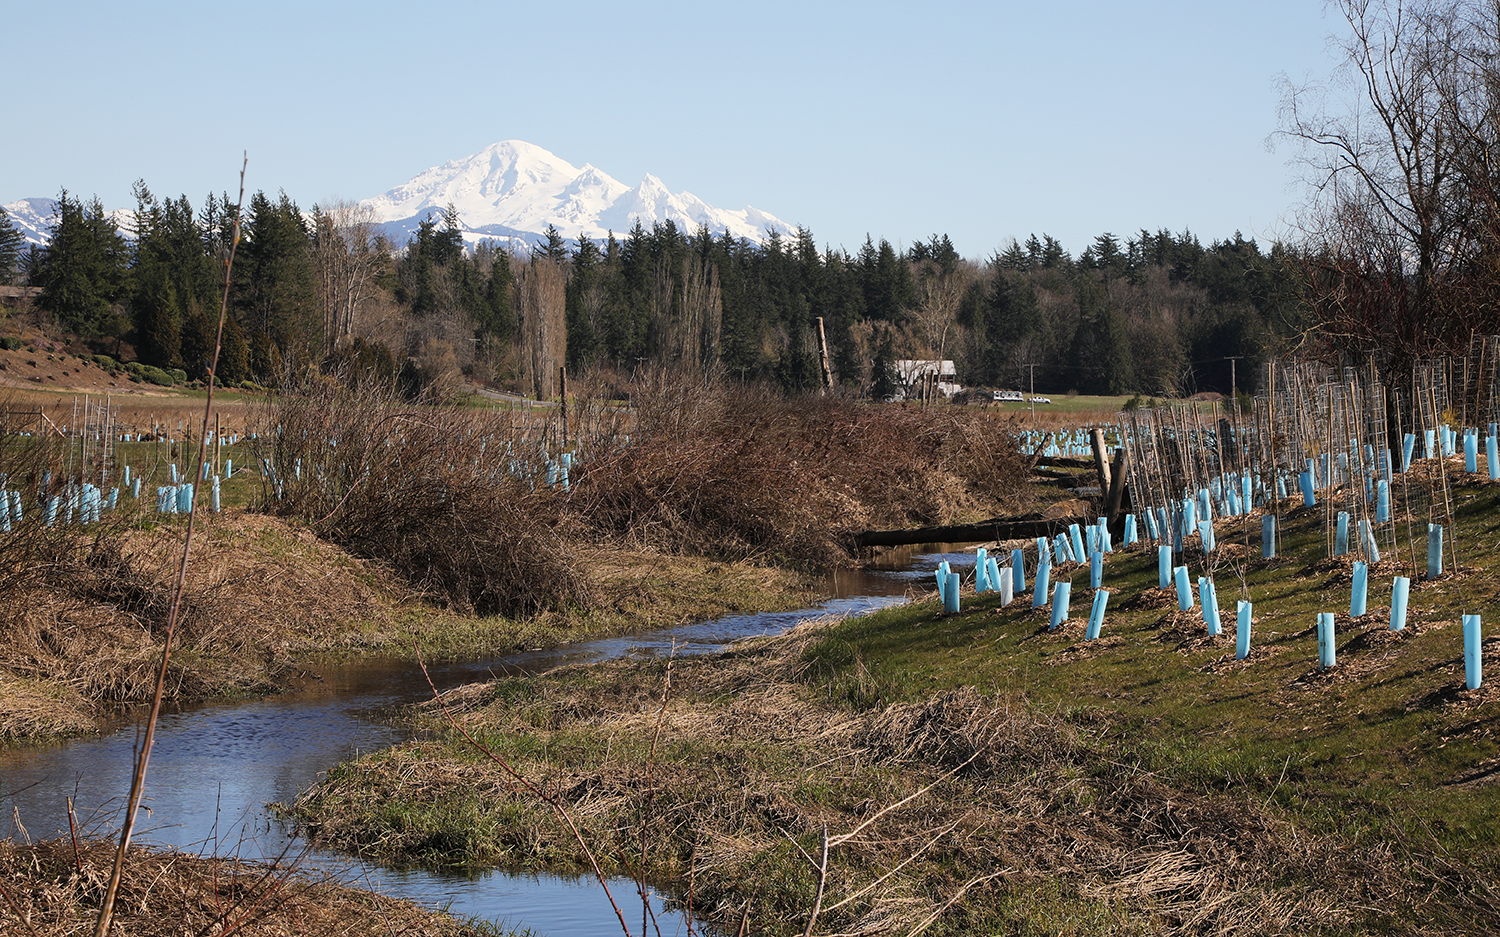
[{"x": 215, "y": 768}]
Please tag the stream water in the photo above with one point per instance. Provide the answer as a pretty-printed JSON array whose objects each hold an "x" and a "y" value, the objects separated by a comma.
[{"x": 215, "y": 768}]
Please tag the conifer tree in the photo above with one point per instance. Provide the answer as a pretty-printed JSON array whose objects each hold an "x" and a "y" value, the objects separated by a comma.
[
  {"x": 156, "y": 313},
  {"x": 83, "y": 271},
  {"x": 12, "y": 249}
]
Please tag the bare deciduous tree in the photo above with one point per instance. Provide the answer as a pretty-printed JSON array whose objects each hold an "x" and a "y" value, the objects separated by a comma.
[
  {"x": 348, "y": 255},
  {"x": 1402, "y": 177}
]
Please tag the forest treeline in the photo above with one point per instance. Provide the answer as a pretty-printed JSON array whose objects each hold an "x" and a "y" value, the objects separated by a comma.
[{"x": 1153, "y": 313}]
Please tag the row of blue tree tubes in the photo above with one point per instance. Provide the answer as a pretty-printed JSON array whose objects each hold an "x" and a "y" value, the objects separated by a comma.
[{"x": 1093, "y": 542}]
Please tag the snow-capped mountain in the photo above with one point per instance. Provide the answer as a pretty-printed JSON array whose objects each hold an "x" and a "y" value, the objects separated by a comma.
[
  {"x": 510, "y": 191},
  {"x": 35, "y": 217},
  {"x": 514, "y": 189}
]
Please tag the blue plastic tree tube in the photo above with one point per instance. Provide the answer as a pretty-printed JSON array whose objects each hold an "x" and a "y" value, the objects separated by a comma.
[
  {"x": 1018, "y": 570},
  {"x": 1096, "y": 615},
  {"x": 1043, "y": 551},
  {"x": 1280, "y": 487},
  {"x": 1471, "y": 451},
  {"x": 1065, "y": 551},
  {"x": 1304, "y": 481},
  {"x": 172, "y": 472},
  {"x": 1163, "y": 566},
  {"x": 1429, "y": 437},
  {"x": 127, "y": 476},
  {"x": 1039, "y": 591},
  {"x": 1210, "y": 600},
  {"x": 1130, "y": 536},
  {"x": 941, "y": 576},
  {"x": 1408, "y": 443},
  {"x": 1268, "y": 537},
  {"x": 1326, "y": 635},
  {"x": 1007, "y": 586},
  {"x": 1473, "y": 659},
  {"x": 1341, "y": 535},
  {"x": 981, "y": 572},
  {"x": 214, "y": 503},
  {"x": 1062, "y": 595},
  {"x": 1434, "y": 550},
  {"x": 1492, "y": 456},
  {"x": 1206, "y": 534},
  {"x": 1096, "y": 569},
  {"x": 1242, "y": 631},
  {"x": 950, "y": 594},
  {"x": 1184, "y": 591},
  {"x": 1360, "y": 589},
  {"x": 1400, "y": 590},
  {"x": 992, "y": 573},
  {"x": 1076, "y": 542},
  {"x": 1382, "y": 501},
  {"x": 1106, "y": 543},
  {"x": 228, "y": 468}
]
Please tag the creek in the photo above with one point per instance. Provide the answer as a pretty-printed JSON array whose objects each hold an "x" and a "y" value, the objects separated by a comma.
[{"x": 215, "y": 768}]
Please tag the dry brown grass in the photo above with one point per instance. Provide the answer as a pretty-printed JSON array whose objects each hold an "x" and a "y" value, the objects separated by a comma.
[
  {"x": 717, "y": 779},
  {"x": 53, "y": 888},
  {"x": 88, "y": 626}
]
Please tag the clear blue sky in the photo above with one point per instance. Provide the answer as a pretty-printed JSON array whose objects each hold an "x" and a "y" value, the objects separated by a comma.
[{"x": 984, "y": 120}]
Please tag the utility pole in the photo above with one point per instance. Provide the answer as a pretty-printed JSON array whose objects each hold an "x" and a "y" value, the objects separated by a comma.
[{"x": 1031, "y": 397}]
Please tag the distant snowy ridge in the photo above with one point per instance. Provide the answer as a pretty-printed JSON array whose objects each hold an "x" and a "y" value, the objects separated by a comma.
[
  {"x": 514, "y": 190},
  {"x": 35, "y": 218},
  {"x": 509, "y": 192}
]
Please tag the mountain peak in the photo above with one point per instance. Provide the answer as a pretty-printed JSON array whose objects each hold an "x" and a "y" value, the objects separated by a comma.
[{"x": 515, "y": 189}]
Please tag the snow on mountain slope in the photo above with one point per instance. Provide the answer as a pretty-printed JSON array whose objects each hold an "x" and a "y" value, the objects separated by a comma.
[
  {"x": 516, "y": 189},
  {"x": 35, "y": 217},
  {"x": 510, "y": 191}
]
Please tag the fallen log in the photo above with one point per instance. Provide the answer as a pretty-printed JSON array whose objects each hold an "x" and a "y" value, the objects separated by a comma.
[
  {"x": 1060, "y": 461},
  {"x": 1025, "y": 526}
]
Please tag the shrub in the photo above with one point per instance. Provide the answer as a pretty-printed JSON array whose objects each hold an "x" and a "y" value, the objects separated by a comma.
[
  {"x": 425, "y": 489},
  {"x": 10, "y": 343},
  {"x": 738, "y": 472}
]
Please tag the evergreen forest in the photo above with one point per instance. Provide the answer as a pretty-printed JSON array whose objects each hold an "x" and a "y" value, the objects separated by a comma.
[{"x": 1159, "y": 314}]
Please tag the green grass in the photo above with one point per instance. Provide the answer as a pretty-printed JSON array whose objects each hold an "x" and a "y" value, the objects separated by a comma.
[
  {"x": 1283, "y": 789},
  {"x": 1384, "y": 741}
]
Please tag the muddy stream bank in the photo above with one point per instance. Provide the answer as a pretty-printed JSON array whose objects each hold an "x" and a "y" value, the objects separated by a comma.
[{"x": 214, "y": 769}]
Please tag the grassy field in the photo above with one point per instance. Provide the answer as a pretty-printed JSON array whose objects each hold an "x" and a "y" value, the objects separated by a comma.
[{"x": 980, "y": 773}]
